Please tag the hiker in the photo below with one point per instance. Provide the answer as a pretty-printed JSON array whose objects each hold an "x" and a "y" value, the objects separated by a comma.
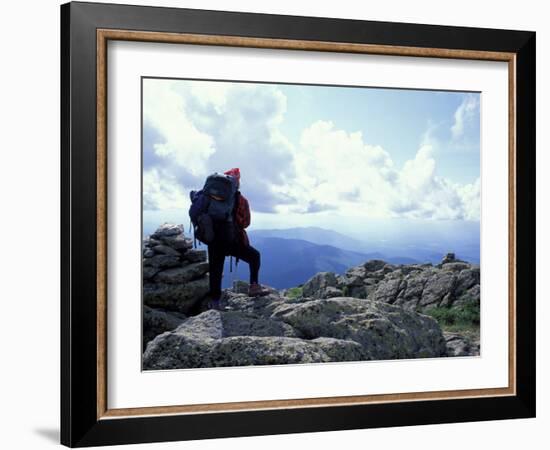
[{"x": 220, "y": 214}]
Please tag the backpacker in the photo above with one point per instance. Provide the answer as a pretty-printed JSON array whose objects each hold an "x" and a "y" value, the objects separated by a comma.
[{"x": 211, "y": 210}]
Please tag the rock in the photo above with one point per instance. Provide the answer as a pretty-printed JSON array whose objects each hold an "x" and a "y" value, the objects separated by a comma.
[
  {"x": 458, "y": 345},
  {"x": 183, "y": 274},
  {"x": 157, "y": 321},
  {"x": 194, "y": 255},
  {"x": 161, "y": 261},
  {"x": 356, "y": 291},
  {"x": 374, "y": 264},
  {"x": 217, "y": 339},
  {"x": 167, "y": 229},
  {"x": 472, "y": 295},
  {"x": 466, "y": 279},
  {"x": 387, "y": 290},
  {"x": 410, "y": 295},
  {"x": 455, "y": 266},
  {"x": 240, "y": 287},
  {"x": 165, "y": 250},
  {"x": 220, "y": 324},
  {"x": 340, "y": 349},
  {"x": 174, "y": 351},
  {"x": 437, "y": 287},
  {"x": 384, "y": 331},
  {"x": 178, "y": 242},
  {"x": 448, "y": 258},
  {"x": 148, "y": 253},
  {"x": 258, "y": 306},
  {"x": 331, "y": 292},
  {"x": 149, "y": 272},
  {"x": 353, "y": 279},
  {"x": 175, "y": 297},
  {"x": 355, "y": 274},
  {"x": 317, "y": 284}
]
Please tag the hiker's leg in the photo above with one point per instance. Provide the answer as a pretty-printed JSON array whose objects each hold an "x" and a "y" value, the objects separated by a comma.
[
  {"x": 216, "y": 258},
  {"x": 249, "y": 255}
]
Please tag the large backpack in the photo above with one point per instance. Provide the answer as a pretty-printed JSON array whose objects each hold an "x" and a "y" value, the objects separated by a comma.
[{"x": 211, "y": 210}]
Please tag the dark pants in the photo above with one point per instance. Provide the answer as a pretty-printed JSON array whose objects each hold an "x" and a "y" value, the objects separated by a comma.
[{"x": 216, "y": 258}]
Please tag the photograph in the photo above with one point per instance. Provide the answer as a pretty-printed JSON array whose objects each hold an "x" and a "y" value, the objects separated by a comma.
[{"x": 302, "y": 224}]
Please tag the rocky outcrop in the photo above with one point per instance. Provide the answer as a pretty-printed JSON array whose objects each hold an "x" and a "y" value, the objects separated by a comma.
[
  {"x": 278, "y": 330},
  {"x": 175, "y": 276},
  {"x": 461, "y": 345},
  {"x": 375, "y": 311},
  {"x": 158, "y": 321},
  {"x": 414, "y": 287}
]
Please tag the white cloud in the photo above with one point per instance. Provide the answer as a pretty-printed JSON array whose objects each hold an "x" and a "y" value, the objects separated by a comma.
[
  {"x": 195, "y": 128},
  {"x": 466, "y": 112},
  {"x": 201, "y": 127},
  {"x": 182, "y": 143},
  {"x": 338, "y": 170},
  {"x": 162, "y": 191}
]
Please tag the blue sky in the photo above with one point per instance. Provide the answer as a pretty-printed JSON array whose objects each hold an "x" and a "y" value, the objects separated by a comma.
[
  {"x": 313, "y": 155},
  {"x": 395, "y": 119}
]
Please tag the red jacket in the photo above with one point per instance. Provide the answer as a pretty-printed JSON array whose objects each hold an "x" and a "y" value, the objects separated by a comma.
[{"x": 242, "y": 217}]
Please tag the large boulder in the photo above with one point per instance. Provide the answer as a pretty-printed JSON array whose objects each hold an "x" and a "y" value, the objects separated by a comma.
[
  {"x": 219, "y": 324},
  {"x": 167, "y": 229},
  {"x": 175, "y": 276},
  {"x": 158, "y": 321},
  {"x": 177, "y": 242},
  {"x": 411, "y": 294},
  {"x": 258, "y": 306},
  {"x": 388, "y": 289},
  {"x": 317, "y": 285},
  {"x": 176, "y": 297},
  {"x": 460, "y": 345},
  {"x": 180, "y": 351},
  {"x": 195, "y": 255},
  {"x": 439, "y": 287},
  {"x": 165, "y": 250},
  {"x": 183, "y": 274},
  {"x": 162, "y": 261},
  {"x": 384, "y": 331},
  {"x": 218, "y": 339}
]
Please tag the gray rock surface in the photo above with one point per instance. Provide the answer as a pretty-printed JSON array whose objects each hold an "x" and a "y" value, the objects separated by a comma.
[
  {"x": 195, "y": 255},
  {"x": 175, "y": 297},
  {"x": 183, "y": 274},
  {"x": 157, "y": 321},
  {"x": 460, "y": 345},
  {"x": 414, "y": 287},
  {"x": 372, "y": 312},
  {"x": 275, "y": 330},
  {"x": 175, "y": 278},
  {"x": 317, "y": 285},
  {"x": 384, "y": 331}
]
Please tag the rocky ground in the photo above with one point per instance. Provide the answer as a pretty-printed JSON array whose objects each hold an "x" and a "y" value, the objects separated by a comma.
[{"x": 375, "y": 311}]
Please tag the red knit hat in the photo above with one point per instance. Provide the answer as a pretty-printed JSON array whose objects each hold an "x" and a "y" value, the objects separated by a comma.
[{"x": 235, "y": 172}]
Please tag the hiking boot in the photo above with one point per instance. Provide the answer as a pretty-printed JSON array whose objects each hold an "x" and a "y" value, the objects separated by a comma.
[{"x": 257, "y": 290}]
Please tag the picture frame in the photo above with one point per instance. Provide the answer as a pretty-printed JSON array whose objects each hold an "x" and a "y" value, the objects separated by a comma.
[{"x": 86, "y": 418}]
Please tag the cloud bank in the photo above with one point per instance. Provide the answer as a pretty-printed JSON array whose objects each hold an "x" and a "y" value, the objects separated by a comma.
[{"x": 193, "y": 128}]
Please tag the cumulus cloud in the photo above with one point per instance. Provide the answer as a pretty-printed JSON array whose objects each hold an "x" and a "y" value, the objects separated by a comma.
[
  {"x": 466, "y": 112},
  {"x": 194, "y": 128},
  {"x": 338, "y": 170}
]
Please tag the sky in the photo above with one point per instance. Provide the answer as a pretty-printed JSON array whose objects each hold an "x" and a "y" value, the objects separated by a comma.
[{"x": 328, "y": 156}]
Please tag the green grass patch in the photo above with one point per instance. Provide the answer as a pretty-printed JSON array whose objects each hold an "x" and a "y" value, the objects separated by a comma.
[
  {"x": 295, "y": 292},
  {"x": 456, "y": 318}
]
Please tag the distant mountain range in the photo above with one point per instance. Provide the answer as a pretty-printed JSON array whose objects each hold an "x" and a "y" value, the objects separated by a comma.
[{"x": 291, "y": 256}]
